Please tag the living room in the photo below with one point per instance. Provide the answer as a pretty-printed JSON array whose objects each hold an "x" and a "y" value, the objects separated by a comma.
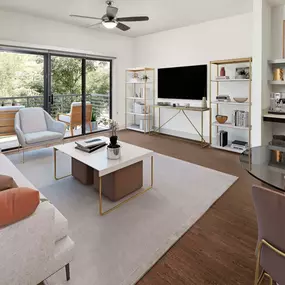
[{"x": 93, "y": 191}]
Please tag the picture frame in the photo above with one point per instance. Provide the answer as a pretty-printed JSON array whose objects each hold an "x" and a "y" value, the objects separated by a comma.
[{"x": 242, "y": 73}]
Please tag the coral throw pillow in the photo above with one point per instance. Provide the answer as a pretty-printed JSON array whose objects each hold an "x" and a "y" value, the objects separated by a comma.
[
  {"x": 7, "y": 182},
  {"x": 17, "y": 204}
]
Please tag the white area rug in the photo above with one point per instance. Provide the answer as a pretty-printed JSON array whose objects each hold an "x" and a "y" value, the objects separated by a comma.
[{"x": 119, "y": 248}]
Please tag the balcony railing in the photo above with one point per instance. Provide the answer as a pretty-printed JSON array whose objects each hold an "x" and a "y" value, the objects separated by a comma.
[{"x": 61, "y": 103}]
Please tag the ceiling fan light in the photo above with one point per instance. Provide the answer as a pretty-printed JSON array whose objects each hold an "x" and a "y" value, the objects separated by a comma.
[{"x": 109, "y": 24}]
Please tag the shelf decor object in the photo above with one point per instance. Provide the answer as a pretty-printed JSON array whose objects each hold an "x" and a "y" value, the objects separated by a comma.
[
  {"x": 221, "y": 119},
  {"x": 139, "y": 99},
  {"x": 278, "y": 74},
  {"x": 237, "y": 108},
  {"x": 240, "y": 100}
]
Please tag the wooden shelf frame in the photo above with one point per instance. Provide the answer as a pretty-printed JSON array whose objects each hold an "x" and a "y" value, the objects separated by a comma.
[{"x": 232, "y": 61}]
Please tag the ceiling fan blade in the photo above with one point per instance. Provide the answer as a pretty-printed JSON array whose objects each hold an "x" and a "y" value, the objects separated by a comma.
[
  {"x": 85, "y": 17},
  {"x": 133, "y": 19},
  {"x": 112, "y": 11},
  {"x": 94, "y": 25},
  {"x": 123, "y": 27}
]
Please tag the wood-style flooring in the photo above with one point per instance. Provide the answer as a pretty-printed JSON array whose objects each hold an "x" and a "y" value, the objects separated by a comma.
[{"x": 219, "y": 248}]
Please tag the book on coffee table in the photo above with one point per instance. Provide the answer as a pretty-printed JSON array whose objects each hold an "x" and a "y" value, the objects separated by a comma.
[
  {"x": 91, "y": 148},
  {"x": 90, "y": 142}
]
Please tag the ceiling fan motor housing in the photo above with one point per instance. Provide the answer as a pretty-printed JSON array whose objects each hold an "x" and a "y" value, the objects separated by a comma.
[{"x": 109, "y": 3}]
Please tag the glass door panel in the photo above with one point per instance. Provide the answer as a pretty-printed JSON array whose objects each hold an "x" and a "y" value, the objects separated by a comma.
[
  {"x": 66, "y": 93},
  {"x": 98, "y": 76},
  {"x": 21, "y": 86}
]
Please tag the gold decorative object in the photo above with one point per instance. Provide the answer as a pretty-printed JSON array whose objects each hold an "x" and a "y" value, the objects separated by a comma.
[
  {"x": 221, "y": 119},
  {"x": 278, "y": 74}
]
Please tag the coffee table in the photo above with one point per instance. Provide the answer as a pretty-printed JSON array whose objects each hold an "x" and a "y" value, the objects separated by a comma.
[{"x": 118, "y": 178}]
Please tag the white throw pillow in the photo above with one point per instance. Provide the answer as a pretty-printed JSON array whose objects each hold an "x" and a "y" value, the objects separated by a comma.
[{"x": 32, "y": 120}]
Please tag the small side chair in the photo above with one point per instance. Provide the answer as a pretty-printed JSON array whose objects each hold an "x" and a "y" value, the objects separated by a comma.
[{"x": 270, "y": 212}]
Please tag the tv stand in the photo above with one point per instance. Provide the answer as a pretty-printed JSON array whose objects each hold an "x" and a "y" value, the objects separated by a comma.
[{"x": 183, "y": 110}]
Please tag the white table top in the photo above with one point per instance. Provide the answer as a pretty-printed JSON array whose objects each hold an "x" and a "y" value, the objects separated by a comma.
[{"x": 130, "y": 154}]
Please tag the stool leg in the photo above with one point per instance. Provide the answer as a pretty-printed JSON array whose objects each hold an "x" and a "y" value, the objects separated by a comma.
[{"x": 67, "y": 271}]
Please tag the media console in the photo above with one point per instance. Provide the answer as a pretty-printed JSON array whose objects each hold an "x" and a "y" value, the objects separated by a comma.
[{"x": 184, "y": 111}]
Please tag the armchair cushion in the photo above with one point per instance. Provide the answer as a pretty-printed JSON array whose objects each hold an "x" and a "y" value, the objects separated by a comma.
[
  {"x": 7, "y": 182},
  {"x": 32, "y": 120},
  {"x": 17, "y": 204},
  {"x": 40, "y": 137}
]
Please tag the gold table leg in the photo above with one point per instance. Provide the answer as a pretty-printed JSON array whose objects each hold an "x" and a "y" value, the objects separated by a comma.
[
  {"x": 54, "y": 169},
  {"x": 102, "y": 213},
  {"x": 203, "y": 141},
  {"x": 160, "y": 126}
]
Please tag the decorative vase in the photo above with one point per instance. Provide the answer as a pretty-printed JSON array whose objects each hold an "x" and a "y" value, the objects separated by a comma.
[
  {"x": 113, "y": 149},
  {"x": 113, "y": 152},
  {"x": 204, "y": 102},
  {"x": 278, "y": 74},
  {"x": 222, "y": 72}
]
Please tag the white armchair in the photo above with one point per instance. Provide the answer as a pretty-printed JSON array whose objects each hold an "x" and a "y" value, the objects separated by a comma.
[{"x": 34, "y": 126}]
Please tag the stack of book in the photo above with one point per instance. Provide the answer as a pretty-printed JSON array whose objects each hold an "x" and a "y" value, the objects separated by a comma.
[
  {"x": 240, "y": 118},
  {"x": 222, "y": 77},
  {"x": 239, "y": 145},
  {"x": 90, "y": 145},
  {"x": 222, "y": 138}
]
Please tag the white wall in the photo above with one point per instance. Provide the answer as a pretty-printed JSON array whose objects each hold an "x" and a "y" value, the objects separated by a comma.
[
  {"x": 261, "y": 133},
  {"x": 36, "y": 31},
  {"x": 197, "y": 44}
]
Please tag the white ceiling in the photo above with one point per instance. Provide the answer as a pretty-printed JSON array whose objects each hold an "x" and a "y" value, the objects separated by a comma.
[{"x": 163, "y": 14}]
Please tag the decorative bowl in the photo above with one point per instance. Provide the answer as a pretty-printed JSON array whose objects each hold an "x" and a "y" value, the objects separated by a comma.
[
  {"x": 240, "y": 100},
  {"x": 221, "y": 119}
]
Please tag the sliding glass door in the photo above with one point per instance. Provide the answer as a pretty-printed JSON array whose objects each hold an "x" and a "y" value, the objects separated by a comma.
[
  {"x": 21, "y": 86},
  {"x": 98, "y": 86},
  {"x": 74, "y": 90},
  {"x": 65, "y": 100}
]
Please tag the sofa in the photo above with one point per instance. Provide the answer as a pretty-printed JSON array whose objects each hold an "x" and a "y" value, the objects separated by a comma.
[{"x": 34, "y": 248}]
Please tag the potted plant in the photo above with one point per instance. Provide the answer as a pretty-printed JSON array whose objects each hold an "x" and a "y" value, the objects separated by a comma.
[
  {"x": 145, "y": 78},
  {"x": 94, "y": 121},
  {"x": 114, "y": 149}
]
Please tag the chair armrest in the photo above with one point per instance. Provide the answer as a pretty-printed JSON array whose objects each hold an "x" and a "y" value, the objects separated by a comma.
[
  {"x": 53, "y": 125},
  {"x": 19, "y": 132}
]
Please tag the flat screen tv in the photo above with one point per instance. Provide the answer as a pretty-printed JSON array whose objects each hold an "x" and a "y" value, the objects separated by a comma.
[{"x": 187, "y": 82}]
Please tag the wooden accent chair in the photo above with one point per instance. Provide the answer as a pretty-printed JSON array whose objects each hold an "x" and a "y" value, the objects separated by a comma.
[
  {"x": 74, "y": 118},
  {"x": 270, "y": 212}
]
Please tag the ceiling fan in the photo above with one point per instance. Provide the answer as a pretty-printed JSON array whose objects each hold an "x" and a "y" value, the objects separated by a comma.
[{"x": 110, "y": 21}]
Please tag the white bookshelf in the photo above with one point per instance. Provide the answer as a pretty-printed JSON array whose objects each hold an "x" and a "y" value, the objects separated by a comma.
[
  {"x": 276, "y": 82},
  {"x": 229, "y": 125},
  {"x": 230, "y": 80},
  {"x": 139, "y": 92},
  {"x": 227, "y": 108},
  {"x": 230, "y": 103},
  {"x": 277, "y": 61},
  {"x": 135, "y": 128},
  {"x": 227, "y": 148}
]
